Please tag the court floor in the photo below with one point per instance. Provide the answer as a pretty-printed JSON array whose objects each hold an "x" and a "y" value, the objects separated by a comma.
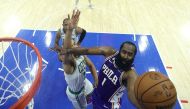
[{"x": 52, "y": 95}]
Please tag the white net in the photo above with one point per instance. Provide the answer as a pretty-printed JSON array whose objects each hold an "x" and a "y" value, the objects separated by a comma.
[{"x": 18, "y": 68}]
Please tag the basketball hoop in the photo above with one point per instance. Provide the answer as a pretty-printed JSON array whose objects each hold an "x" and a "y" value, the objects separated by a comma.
[{"x": 20, "y": 72}]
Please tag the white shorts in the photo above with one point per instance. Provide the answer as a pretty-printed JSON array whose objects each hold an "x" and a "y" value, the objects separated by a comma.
[
  {"x": 88, "y": 87},
  {"x": 79, "y": 100}
]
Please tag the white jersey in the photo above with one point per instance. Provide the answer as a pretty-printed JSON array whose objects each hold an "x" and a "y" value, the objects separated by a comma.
[
  {"x": 75, "y": 38},
  {"x": 75, "y": 80}
]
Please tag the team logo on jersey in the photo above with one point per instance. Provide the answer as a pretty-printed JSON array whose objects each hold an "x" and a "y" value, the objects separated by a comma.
[
  {"x": 82, "y": 67},
  {"x": 110, "y": 74}
]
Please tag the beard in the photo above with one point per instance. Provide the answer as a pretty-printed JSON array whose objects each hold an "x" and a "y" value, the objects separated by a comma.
[{"x": 122, "y": 63}]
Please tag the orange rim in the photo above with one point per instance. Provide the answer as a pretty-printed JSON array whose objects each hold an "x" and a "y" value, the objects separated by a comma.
[{"x": 25, "y": 99}]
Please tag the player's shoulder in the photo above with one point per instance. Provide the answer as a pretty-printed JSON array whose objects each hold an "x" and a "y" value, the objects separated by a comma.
[
  {"x": 86, "y": 59},
  {"x": 78, "y": 30},
  {"x": 111, "y": 54},
  {"x": 128, "y": 73}
]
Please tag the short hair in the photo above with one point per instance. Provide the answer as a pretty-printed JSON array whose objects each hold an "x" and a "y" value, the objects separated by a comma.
[{"x": 130, "y": 43}]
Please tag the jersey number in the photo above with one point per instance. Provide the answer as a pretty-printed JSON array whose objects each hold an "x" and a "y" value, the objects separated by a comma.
[{"x": 103, "y": 81}]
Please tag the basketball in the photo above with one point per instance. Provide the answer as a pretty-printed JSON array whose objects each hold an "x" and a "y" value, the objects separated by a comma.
[{"x": 154, "y": 90}]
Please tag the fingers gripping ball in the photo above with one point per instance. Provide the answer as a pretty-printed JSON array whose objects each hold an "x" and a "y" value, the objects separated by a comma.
[{"x": 153, "y": 90}]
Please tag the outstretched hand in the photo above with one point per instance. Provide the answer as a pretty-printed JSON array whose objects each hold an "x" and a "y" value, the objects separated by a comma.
[{"x": 73, "y": 22}]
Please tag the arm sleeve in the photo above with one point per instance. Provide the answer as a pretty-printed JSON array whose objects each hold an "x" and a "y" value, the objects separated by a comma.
[{"x": 82, "y": 35}]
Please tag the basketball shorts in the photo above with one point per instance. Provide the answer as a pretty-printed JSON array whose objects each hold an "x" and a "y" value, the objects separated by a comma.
[{"x": 78, "y": 99}]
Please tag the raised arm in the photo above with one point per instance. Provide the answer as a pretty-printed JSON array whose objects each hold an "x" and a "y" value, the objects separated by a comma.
[
  {"x": 104, "y": 50},
  {"x": 69, "y": 62},
  {"x": 92, "y": 69}
]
